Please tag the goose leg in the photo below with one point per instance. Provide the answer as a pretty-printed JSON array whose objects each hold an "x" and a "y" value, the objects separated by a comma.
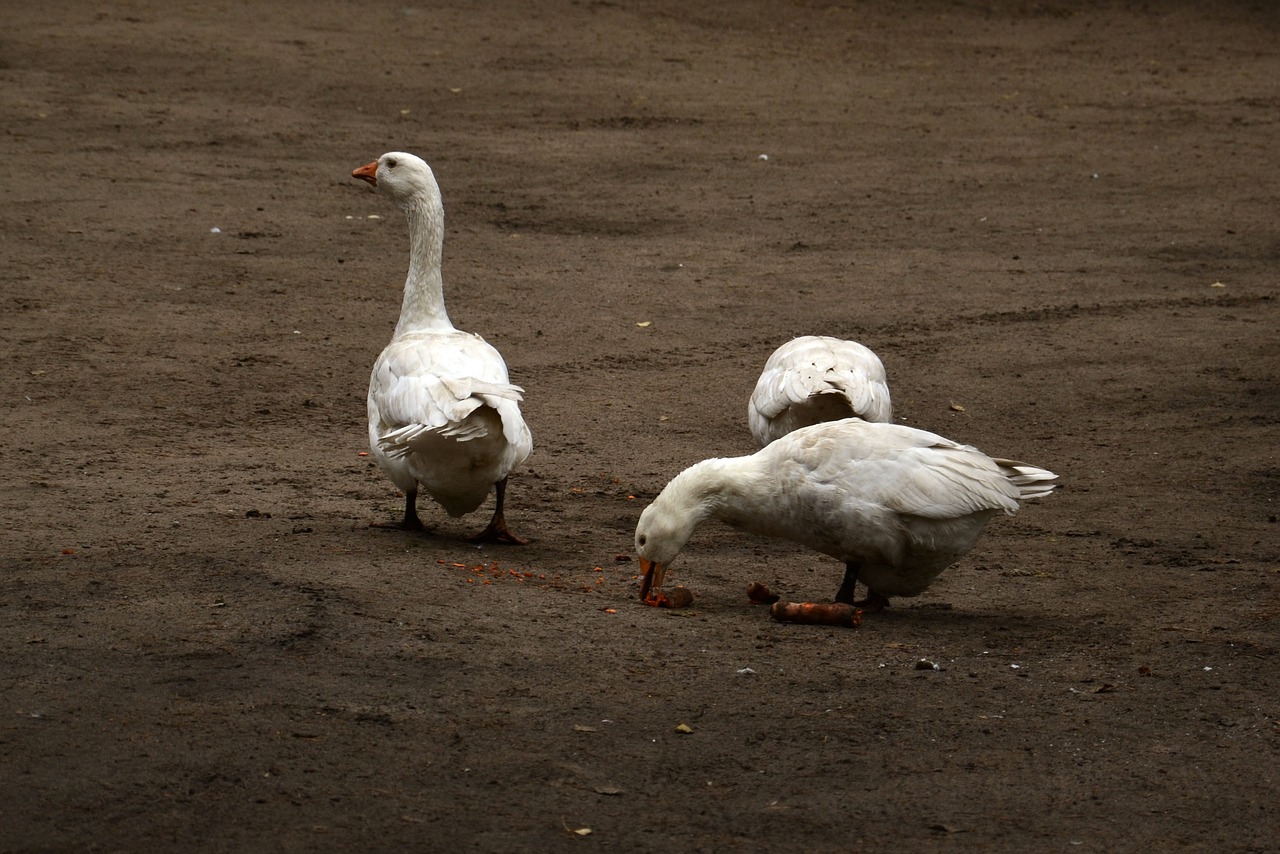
[
  {"x": 411, "y": 521},
  {"x": 845, "y": 594},
  {"x": 874, "y": 601},
  {"x": 498, "y": 532}
]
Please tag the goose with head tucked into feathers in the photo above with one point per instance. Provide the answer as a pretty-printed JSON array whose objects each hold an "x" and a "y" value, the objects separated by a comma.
[
  {"x": 443, "y": 414},
  {"x": 898, "y": 505},
  {"x": 816, "y": 378}
]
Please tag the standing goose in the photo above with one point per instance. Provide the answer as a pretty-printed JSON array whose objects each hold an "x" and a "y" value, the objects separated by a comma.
[
  {"x": 443, "y": 414},
  {"x": 898, "y": 505},
  {"x": 816, "y": 378}
]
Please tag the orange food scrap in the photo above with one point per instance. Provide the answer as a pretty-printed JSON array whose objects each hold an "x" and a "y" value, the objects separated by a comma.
[
  {"x": 760, "y": 594},
  {"x": 817, "y": 613}
]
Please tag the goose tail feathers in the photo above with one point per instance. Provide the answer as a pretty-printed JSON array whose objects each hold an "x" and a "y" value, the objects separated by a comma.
[{"x": 1032, "y": 481}]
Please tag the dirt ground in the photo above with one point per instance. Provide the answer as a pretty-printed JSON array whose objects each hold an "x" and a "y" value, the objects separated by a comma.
[{"x": 1055, "y": 223}]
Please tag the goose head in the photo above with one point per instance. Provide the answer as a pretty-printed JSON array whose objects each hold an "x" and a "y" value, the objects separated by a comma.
[
  {"x": 661, "y": 533},
  {"x": 401, "y": 176}
]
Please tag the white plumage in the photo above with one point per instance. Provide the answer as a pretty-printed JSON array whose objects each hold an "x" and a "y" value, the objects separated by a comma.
[
  {"x": 443, "y": 414},
  {"x": 898, "y": 505},
  {"x": 816, "y": 378}
]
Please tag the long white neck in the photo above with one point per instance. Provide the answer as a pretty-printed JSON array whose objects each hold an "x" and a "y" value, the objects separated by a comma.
[
  {"x": 722, "y": 488},
  {"x": 743, "y": 493},
  {"x": 423, "y": 306},
  {"x": 718, "y": 488}
]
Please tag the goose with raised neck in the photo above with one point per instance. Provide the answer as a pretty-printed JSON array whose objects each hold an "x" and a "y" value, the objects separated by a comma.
[{"x": 444, "y": 417}]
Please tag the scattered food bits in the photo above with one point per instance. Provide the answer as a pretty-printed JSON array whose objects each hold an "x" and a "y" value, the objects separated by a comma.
[
  {"x": 676, "y": 597},
  {"x": 761, "y": 595}
]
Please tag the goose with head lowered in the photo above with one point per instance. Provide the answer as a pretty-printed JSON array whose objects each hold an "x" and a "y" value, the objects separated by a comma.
[
  {"x": 816, "y": 378},
  {"x": 897, "y": 505},
  {"x": 444, "y": 417}
]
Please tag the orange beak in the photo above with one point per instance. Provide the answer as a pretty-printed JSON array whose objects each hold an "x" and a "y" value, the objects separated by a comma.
[
  {"x": 651, "y": 583},
  {"x": 368, "y": 172}
]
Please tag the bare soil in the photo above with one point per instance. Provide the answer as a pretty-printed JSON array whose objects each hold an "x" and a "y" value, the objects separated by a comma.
[{"x": 1055, "y": 222}]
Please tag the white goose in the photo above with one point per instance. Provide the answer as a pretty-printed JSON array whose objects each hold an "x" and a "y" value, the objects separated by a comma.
[
  {"x": 898, "y": 505},
  {"x": 816, "y": 378},
  {"x": 443, "y": 414}
]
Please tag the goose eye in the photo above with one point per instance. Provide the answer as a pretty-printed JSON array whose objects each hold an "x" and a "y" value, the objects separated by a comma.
[
  {"x": 642, "y": 539},
  {"x": 391, "y": 164}
]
